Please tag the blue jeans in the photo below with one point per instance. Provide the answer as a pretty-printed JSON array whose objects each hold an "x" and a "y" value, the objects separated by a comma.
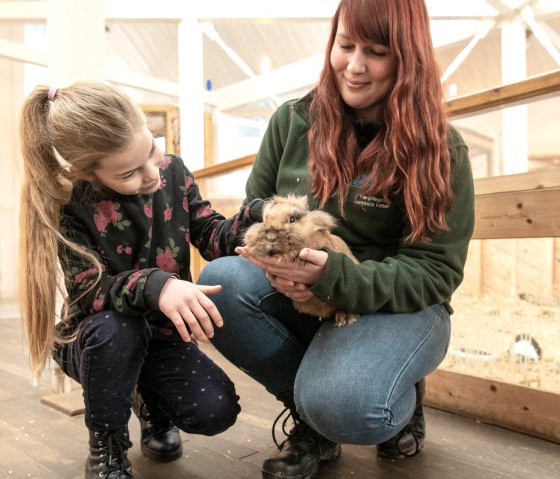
[
  {"x": 353, "y": 384},
  {"x": 113, "y": 352}
]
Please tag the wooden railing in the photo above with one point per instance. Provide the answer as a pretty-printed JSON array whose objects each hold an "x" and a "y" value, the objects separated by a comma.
[
  {"x": 541, "y": 86},
  {"x": 506, "y": 207},
  {"x": 526, "y": 205}
]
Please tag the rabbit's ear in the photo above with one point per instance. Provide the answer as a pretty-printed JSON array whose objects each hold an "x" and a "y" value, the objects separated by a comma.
[{"x": 320, "y": 220}]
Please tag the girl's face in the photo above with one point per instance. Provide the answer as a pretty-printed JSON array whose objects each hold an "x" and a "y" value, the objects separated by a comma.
[
  {"x": 133, "y": 170},
  {"x": 364, "y": 74}
]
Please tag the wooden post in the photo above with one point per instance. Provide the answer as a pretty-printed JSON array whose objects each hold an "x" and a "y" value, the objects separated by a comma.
[{"x": 76, "y": 35}]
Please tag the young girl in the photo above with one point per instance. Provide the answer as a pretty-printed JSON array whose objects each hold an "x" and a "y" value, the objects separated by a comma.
[
  {"x": 107, "y": 221},
  {"x": 371, "y": 145}
]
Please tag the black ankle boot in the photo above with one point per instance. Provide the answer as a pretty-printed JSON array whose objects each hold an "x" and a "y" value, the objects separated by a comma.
[
  {"x": 159, "y": 438},
  {"x": 410, "y": 440},
  {"x": 107, "y": 455},
  {"x": 300, "y": 454}
]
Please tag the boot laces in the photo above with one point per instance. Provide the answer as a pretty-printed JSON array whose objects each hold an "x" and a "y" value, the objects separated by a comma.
[
  {"x": 415, "y": 435},
  {"x": 300, "y": 432},
  {"x": 115, "y": 444}
]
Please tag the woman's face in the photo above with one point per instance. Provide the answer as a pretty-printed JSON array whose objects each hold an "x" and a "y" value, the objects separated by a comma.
[
  {"x": 133, "y": 170},
  {"x": 364, "y": 73}
]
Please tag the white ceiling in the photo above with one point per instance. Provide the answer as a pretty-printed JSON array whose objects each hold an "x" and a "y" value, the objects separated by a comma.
[{"x": 142, "y": 38}]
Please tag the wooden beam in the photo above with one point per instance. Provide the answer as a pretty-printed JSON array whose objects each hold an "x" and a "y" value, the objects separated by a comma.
[
  {"x": 533, "y": 180},
  {"x": 541, "y": 86},
  {"x": 23, "y": 11},
  {"x": 144, "y": 82},
  {"x": 297, "y": 75},
  {"x": 527, "y": 410},
  {"x": 225, "y": 167},
  {"x": 82, "y": 57},
  {"x": 518, "y": 214},
  {"x": 19, "y": 52}
]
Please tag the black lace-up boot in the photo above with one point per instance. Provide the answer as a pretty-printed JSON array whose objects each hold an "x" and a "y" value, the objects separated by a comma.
[
  {"x": 160, "y": 439},
  {"x": 107, "y": 455},
  {"x": 410, "y": 440},
  {"x": 301, "y": 453}
]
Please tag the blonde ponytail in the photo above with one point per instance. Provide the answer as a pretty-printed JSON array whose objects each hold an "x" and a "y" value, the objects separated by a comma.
[{"x": 62, "y": 141}]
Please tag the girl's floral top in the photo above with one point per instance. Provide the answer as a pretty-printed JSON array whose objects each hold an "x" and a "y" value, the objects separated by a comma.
[{"x": 142, "y": 241}]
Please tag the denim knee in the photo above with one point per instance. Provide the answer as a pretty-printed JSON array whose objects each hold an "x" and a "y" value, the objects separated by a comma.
[
  {"x": 215, "y": 272},
  {"x": 351, "y": 421}
]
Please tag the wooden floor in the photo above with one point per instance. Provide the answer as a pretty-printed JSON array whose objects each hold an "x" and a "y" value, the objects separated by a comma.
[{"x": 37, "y": 441}]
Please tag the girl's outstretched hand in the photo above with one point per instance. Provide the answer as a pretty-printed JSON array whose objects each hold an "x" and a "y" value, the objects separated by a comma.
[{"x": 187, "y": 303}]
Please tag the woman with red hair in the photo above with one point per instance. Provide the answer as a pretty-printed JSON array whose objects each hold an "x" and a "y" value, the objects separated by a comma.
[{"x": 371, "y": 145}]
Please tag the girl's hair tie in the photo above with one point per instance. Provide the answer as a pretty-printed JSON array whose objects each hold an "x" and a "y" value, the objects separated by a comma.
[{"x": 52, "y": 93}]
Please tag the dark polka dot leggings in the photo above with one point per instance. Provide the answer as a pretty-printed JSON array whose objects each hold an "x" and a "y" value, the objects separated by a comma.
[{"x": 112, "y": 353}]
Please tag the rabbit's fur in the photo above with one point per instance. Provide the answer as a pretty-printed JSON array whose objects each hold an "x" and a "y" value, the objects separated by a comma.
[{"x": 289, "y": 227}]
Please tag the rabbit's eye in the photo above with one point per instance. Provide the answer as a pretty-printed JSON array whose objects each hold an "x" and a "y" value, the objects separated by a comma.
[{"x": 292, "y": 219}]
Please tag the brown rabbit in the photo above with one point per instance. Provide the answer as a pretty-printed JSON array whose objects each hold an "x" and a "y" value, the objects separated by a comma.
[{"x": 289, "y": 227}]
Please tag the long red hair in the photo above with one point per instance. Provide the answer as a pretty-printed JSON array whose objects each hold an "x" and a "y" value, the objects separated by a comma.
[{"x": 408, "y": 160}]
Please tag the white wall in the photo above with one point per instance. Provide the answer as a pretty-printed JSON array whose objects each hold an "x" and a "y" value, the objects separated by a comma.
[{"x": 11, "y": 96}]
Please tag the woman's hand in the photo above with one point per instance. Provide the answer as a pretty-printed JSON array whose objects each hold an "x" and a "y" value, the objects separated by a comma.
[
  {"x": 184, "y": 302},
  {"x": 291, "y": 278}
]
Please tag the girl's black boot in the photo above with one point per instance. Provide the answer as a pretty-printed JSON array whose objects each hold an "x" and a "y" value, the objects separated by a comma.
[
  {"x": 108, "y": 455},
  {"x": 160, "y": 439}
]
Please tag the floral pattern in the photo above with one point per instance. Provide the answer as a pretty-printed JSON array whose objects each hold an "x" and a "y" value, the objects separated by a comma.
[
  {"x": 107, "y": 213},
  {"x": 165, "y": 258}
]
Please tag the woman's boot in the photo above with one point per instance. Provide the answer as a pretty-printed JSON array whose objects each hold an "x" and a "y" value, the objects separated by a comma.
[
  {"x": 301, "y": 453},
  {"x": 108, "y": 455},
  {"x": 410, "y": 440},
  {"x": 160, "y": 439}
]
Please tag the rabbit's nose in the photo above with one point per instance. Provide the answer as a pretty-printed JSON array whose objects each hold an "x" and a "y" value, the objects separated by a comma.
[{"x": 271, "y": 234}]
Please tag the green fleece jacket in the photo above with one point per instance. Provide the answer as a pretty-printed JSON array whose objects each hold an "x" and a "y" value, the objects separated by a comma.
[{"x": 391, "y": 277}]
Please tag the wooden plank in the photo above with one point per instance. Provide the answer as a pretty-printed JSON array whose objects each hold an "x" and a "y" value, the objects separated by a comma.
[
  {"x": 533, "y": 180},
  {"x": 70, "y": 403},
  {"x": 225, "y": 167},
  {"x": 523, "y": 409},
  {"x": 36, "y": 441},
  {"x": 519, "y": 214},
  {"x": 16, "y": 463},
  {"x": 537, "y": 87}
]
